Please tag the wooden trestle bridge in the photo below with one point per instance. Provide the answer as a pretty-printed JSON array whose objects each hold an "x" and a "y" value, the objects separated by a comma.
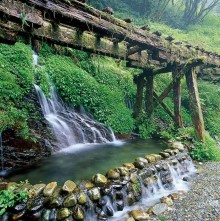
[{"x": 75, "y": 24}]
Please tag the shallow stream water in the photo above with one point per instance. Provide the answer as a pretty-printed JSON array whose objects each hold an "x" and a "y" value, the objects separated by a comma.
[{"x": 82, "y": 161}]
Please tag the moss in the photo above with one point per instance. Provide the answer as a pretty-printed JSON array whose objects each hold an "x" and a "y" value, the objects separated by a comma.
[{"x": 16, "y": 82}]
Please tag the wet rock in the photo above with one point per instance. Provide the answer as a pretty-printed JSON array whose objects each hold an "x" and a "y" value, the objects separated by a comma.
[
  {"x": 81, "y": 197},
  {"x": 140, "y": 162},
  {"x": 130, "y": 166},
  {"x": 107, "y": 189},
  {"x": 150, "y": 158},
  {"x": 78, "y": 213},
  {"x": 164, "y": 154},
  {"x": 99, "y": 179},
  {"x": 186, "y": 179},
  {"x": 159, "y": 208},
  {"x": 53, "y": 215},
  {"x": 119, "y": 195},
  {"x": 167, "y": 200},
  {"x": 148, "y": 181},
  {"x": 20, "y": 207},
  {"x": 123, "y": 171},
  {"x": 49, "y": 189},
  {"x": 176, "y": 151},
  {"x": 169, "y": 151},
  {"x": 178, "y": 145},
  {"x": 36, "y": 190},
  {"x": 146, "y": 172},
  {"x": 130, "y": 199},
  {"x": 174, "y": 196},
  {"x": 102, "y": 216},
  {"x": 165, "y": 167},
  {"x": 113, "y": 175},
  {"x": 35, "y": 205},
  {"x": 70, "y": 200},
  {"x": 46, "y": 215},
  {"x": 19, "y": 215},
  {"x": 139, "y": 215},
  {"x": 133, "y": 178},
  {"x": 5, "y": 217},
  {"x": 85, "y": 185},
  {"x": 94, "y": 194},
  {"x": 102, "y": 202},
  {"x": 63, "y": 213},
  {"x": 120, "y": 205},
  {"x": 69, "y": 186},
  {"x": 109, "y": 211},
  {"x": 56, "y": 199}
]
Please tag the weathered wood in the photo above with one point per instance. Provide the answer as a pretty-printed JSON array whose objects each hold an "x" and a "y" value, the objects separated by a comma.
[
  {"x": 195, "y": 106},
  {"x": 177, "y": 97},
  {"x": 139, "y": 96},
  {"x": 165, "y": 107},
  {"x": 149, "y": 91}
]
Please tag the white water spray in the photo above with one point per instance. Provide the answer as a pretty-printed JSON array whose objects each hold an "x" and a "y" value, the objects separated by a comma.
[{"x": 68, "y": 126}]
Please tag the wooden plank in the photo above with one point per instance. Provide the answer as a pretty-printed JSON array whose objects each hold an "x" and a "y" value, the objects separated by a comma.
[
  {"x": 165, "y": 107},
  {"x": 195, "y": 106},
  {"x": 149, "y": 91},
  {"x": 139, "y": 96},
  {"x": 177, "y": 97}
]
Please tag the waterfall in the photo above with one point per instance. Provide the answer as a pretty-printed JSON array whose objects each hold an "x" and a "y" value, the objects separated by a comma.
[{"x": 68, "y": 126}]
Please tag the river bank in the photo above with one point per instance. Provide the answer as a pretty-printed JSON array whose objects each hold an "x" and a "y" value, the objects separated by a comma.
[{"x": 202, "y": 202}]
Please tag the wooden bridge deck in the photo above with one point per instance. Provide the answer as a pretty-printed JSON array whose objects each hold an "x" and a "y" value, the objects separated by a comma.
[{"x": 77, "y": 25}]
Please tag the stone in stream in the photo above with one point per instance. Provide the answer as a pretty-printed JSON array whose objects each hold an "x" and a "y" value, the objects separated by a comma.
[
  {"x": 56, "y": 199},
  {"x": 140, "y": 162},
  {"x": 78, "y": 213},
  {"x": 36, "y": 190},
  {"x": 19, "y": 215},
  {"x": 113, "y": 175},
  {"x": 158, "y": 208},
  {"x": 150, "y": 158},
  {"x": 164, "y": 154},
  {"x": 130, "y": 219},
  {"x": 130, "y": 166},
  {"x": 81, "y": 197},
  {"x": 63, "y": 213},
  {"x": 174, "y": 196},
  {"x": 139, "y": 215},
  {"x": 120, "y": 205},
  {"x": 70, "y": 200},
  {"x": 178, "y": 145},
  {"x": 46, "y": 215},
  {"x": 85, "y": 185},
  {"x": 49, "y": 189},
  {"x": 35, "y": 204},
  {"x": 123, "y": 171},
  {"x": 99, "y": 179},
  {"x": 69, "y": 186},
  {"x": 167, "y": 200},
  {"x": 94, "y": 194}
]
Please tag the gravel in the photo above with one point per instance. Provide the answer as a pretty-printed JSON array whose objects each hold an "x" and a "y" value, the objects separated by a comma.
[{"x": 202, "y": 202}]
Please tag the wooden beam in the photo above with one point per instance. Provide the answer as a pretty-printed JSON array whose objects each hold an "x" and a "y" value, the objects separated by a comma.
[
  {"x": 149, "y": 91},
  {"x": 139, "y": 96},
  {"x": 177, "y": 97},
  {"x": 195, "y": 106},
  {"x": 166, "y": 108}
]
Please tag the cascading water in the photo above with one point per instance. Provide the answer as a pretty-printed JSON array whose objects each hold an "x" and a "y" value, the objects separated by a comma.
[
  {"x": 68, "y": 126},
  {"x": 155, "y": 189}
]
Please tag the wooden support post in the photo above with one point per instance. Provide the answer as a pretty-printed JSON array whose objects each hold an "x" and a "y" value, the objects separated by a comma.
[
  {"x": 177, "y": 97},
  {"x": 195, "y": 106},
  {"x": 149, "y": 92},
  {"x": 165, "y": 107},
  {"x": 139, "y": 96}
]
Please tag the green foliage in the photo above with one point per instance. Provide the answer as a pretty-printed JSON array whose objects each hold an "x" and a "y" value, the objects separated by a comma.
[
  {"x": 16, "y": 81},
  {"x": 11, "y": 197},
  {"x": 146, "y": 126},
  {"x": 208, "y": 151},
  {"x": 77, "y": 87}
]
